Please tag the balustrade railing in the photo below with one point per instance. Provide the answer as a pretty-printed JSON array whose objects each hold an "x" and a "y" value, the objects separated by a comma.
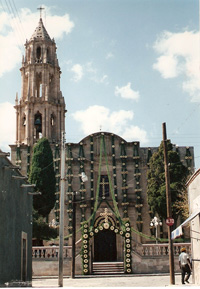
[
  {"x": 145, "y": 250},
  {"x": 148, "y": 250},
  {"x": 50, "y": 252}
]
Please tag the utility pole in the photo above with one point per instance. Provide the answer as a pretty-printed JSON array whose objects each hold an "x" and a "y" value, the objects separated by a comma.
[
  {"x": 73, "y": 235},
  {"x": 168, "y": 201},
  {"x": 62, "y": 197}
]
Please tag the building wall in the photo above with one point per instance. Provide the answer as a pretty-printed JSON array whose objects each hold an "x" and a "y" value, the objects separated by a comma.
[
  {"x": 15, "y": 220},
  {"x": 194, "y": 205}
]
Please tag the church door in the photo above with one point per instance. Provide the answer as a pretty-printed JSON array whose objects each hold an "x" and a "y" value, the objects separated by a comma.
[{"x": 105, "y": 246}]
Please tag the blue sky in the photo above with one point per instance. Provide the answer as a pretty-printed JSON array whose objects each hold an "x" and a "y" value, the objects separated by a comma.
[{"x": 127, "y": 66}]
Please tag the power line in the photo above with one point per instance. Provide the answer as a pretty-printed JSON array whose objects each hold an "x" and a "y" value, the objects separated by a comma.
[
  {"x": 21, "y": 27},
  {"x": 14, "y": 24}
]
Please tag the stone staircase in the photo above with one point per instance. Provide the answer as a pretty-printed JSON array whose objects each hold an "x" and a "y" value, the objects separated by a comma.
[{"x": 108, "y": 268}]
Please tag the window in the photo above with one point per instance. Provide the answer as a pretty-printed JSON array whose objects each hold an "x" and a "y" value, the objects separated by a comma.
[
  {"x": 104, "y": 187},
  {"x": 38, "y": 52}
]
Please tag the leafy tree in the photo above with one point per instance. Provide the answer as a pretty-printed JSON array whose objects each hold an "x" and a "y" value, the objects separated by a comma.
[
  {"x": 41, "y": 230},
  {"x": 42, "y": 174},
  {"x": 182, "y": 205},
  {"x": 156, "y": 188}
]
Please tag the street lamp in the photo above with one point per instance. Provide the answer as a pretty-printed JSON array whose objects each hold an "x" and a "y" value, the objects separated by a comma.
[{"x": 155, "y": 222}]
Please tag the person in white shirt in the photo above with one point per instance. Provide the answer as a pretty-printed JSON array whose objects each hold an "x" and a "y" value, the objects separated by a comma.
[{"x": 185, "y": 265}]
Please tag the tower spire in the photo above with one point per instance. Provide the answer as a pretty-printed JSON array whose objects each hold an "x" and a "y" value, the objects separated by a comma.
[{"x": 40, "y": 111}]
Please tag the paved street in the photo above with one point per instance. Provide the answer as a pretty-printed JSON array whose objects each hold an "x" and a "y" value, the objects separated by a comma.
[{"x": 111, "y": 281}]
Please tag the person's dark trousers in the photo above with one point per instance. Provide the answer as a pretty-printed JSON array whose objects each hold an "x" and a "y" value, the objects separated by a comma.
[{"x": 185, "y": 269}]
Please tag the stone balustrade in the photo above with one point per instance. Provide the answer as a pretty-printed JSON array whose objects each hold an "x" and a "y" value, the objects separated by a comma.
[
  {"x": 145, "y": 250},
  {"x": 50, "y": 252},
  {"x": 148, "y": 250}
]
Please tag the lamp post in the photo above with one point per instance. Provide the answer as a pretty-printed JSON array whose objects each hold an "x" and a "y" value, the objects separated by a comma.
[{"x": 155, "y": 222}]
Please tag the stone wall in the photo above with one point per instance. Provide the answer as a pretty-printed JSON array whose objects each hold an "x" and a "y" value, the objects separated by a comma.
[
  {"x": 16, "y": 226},
  {"x": 141, "y": 265}
]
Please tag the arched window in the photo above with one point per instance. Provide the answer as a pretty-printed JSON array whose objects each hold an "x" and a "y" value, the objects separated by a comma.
[
  {"x": 53, "y": 126},
  {"x": 29, "y": 54},
  {"x": 38, "y": 53},
  {"x": 52, "y": 120},
  {"x": 38, "y": 124},
  {"x": 24, "y": 121},
  {"x": 39, "y": 84}
]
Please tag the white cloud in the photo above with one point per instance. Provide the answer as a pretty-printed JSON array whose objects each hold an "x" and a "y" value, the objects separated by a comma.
[
  {"x": 87, "y": 70},
  {"x": 97, "y": 117},
  {"x": 179, "y": 55},
  {"x": 127, "y": 92},
  {"x": 77, "y": 69},
  {"x": 109, "y": 55},
  {"x": 167, "y": 66},
  {"x": 7, "y": 125},
  {"x": 93, "y": 74},
  {"x": 13, "y": 34},
  {"x": 135, "y": 133}
]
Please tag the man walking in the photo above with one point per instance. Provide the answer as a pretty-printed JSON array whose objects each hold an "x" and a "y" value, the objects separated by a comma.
[{"x": 185, "y": 265}]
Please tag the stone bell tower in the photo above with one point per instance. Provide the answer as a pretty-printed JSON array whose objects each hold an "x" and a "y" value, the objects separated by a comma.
[{"x": 40, "y": 111}]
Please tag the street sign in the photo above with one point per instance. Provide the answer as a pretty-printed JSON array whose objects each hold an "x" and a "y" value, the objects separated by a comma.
[{"x": 170, "y": 221}]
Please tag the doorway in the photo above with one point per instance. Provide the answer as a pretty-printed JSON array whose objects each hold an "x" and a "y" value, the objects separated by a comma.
[
  {"x": 105, "y": 246},
  {"x": 24, "y": 257}
]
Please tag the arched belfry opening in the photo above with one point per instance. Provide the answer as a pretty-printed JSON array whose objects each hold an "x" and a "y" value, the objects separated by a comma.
[
  {"x": 53, "y": 126},
  {"x": 38, "y": 125},
  {"x": 38, "y": 54},
  {"x": 39, "y": 84}
]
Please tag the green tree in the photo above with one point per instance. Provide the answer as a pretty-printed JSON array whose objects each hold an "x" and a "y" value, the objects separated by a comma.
[
  {"x": 41, "y": 230},
  {"x": 156, "y": 189},
  {"x": 42, "y": 174}
]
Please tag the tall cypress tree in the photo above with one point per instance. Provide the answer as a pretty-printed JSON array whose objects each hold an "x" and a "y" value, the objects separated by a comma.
[
  {"x": 156, "y": 188},
  {"x": 42, "y": 174}
]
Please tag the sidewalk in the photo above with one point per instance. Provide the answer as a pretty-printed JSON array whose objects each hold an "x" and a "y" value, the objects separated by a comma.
[{"x": 111, "y": 281}]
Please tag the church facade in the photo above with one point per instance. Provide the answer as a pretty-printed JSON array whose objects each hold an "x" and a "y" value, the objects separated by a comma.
[{"x": 112, "y": 209}]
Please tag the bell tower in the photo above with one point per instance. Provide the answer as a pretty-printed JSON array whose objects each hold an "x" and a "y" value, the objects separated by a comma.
[{"x": 40, "y": 111}]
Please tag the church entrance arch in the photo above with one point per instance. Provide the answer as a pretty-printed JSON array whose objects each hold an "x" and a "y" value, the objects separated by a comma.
[
  {"x": 105, "y": 249},
  {"x": 105, "y": 241}
]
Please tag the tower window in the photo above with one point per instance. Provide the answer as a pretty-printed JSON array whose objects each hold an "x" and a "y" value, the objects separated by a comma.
[
  {"x": 40, "y": 89},
  {"x": 39, "y": 84},
  {"x": 47, "y": 54},
  {"x": 52, "y": 120},
  {"x": 24, "y": 121},
  {"x": 38, "y": 53},
  {"x": 38, "y": 124}
]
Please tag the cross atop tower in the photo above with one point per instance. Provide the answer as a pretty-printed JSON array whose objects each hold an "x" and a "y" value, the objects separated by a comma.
[{"x": 40, "y": 8}]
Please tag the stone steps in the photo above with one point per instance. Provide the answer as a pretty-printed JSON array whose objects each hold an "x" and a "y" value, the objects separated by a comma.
[{"x": 105, "y": 268}]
